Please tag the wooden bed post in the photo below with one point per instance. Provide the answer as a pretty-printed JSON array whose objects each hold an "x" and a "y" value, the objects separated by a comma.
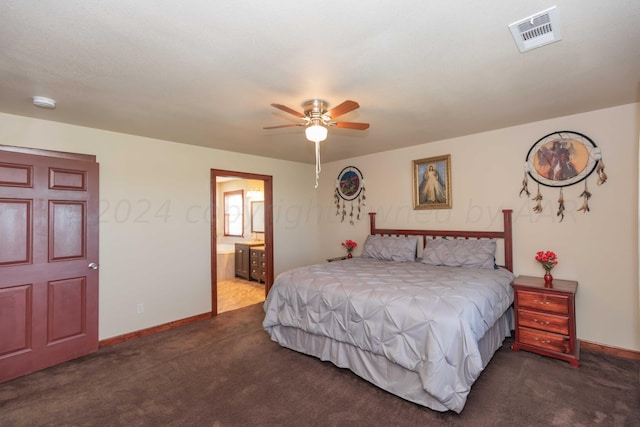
[
  {"x": 372, "y": 222},
  {"x": 508, "y": 239}
]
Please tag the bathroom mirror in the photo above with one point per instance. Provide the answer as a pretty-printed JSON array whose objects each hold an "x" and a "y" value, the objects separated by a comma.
[{"x": 257, "y": 217}]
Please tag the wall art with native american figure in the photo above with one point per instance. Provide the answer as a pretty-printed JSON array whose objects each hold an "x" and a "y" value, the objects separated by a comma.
[{"x": 561, "y": 159}]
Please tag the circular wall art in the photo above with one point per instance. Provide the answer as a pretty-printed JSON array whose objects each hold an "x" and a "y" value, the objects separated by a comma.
[
  {"x": 350, "y": 183},
  {"x": 562, "y": 158},
  {"x": 349, "y": 188}
]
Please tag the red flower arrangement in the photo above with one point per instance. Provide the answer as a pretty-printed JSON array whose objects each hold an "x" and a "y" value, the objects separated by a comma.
[
  {"x": 548, "y": 259},
  {"x": 350, "y": 245}
]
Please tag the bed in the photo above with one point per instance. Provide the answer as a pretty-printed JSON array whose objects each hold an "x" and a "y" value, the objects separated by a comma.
[{"x": 419, "y": 314}]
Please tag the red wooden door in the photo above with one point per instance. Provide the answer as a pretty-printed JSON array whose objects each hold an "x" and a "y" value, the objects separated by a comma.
[{"x": 48, "y": 260}]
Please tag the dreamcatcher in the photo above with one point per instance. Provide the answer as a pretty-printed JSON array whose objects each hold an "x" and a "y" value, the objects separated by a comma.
[
  {"x": 561, "y": 159},
  {"x": 349, "y": 187}
]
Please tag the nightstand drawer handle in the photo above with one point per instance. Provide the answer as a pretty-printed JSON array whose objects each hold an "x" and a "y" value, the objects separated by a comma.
[
  {"x": 541, "y": 302},
  {"x": 543, "y": 341},
  {"x": 540, "y": 322}
]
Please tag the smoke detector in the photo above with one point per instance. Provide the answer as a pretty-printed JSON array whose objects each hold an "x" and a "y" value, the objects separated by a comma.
[
  {"x": 43, "y": 102},
  {"x": 537, "y": 30}
]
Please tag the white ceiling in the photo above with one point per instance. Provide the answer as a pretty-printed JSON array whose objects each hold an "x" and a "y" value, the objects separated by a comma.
[{"x": 205, "y": 72}]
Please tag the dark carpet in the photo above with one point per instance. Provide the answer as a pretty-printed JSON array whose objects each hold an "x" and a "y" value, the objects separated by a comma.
[{"x": 225, "y": 371}]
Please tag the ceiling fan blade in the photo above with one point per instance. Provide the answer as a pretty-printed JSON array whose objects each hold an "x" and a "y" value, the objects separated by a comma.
[
  {"x": 350, "y": 125},
  {"x": 288, "y": 110},
  {"x": 283, "y": 126},
  {"x": 343, "y": 108}
]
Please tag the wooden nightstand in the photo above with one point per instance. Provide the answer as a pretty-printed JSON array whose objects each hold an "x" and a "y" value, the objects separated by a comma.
[{"x": 545, "y": 319}]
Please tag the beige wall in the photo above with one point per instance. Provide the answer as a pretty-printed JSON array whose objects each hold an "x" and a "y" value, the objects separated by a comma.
[
  {"x": 154, "y": 229},
  {"x": 598, "y": 249},
  {"x": 154, "y": 222}
]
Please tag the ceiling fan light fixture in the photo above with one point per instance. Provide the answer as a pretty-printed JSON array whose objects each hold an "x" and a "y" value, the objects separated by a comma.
[{"x": 316, "y": 133}]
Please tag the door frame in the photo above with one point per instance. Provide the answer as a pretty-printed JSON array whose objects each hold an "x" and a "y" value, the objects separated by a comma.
[
  {"x": 49, "y": 153},
  {"x": 268, "y": 230}
]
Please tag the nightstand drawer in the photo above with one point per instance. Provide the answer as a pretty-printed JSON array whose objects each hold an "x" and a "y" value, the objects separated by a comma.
[
  {"x": 543, "y": 301},
  {"x": 546, "y": 340},
  {"x": 544, "y": 322}
]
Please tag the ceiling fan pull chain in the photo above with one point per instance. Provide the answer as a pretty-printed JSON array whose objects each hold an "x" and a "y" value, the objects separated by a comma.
[{"x": 318, "y": 167}]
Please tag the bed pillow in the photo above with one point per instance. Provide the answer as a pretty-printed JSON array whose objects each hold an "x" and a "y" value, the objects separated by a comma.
[
  {"x": 460, "y": 253},
  {"x": 390, "y": 248}
]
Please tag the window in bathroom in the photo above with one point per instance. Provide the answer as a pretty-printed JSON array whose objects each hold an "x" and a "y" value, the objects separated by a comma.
[{"x": 234, "y": 213}]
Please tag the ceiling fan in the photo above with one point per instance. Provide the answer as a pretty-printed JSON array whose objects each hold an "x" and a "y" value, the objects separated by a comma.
[
  {"x": 316, "y": 113},
  {"x": 317, "y": 118}
]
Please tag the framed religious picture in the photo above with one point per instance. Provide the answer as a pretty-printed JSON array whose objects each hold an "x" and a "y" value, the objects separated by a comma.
[{"x": 432, "y": 183}]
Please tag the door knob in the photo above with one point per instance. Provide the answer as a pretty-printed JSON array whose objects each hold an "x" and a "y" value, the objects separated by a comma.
[{"x": 93, "y": 266}]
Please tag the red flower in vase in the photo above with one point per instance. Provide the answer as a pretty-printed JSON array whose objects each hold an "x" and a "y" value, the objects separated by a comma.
[
  {"x": 548, "y": 259},
  {"x": 349, "y": 245}
]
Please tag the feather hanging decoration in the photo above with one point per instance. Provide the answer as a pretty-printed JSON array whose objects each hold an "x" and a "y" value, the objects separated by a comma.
[
  {"x": 586, "y": 195},
  {"x": 538, "y": 199},
  {"x": 351, "y": 214},
  {"x": 361, "y": 202},
  {"x": 525, "y": 185},
  {"x": 561, "y": 206},
  {"x": 602, "y": 177}
]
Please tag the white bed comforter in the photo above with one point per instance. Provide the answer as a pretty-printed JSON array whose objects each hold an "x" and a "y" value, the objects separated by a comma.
[{"x": 426, "y": 319}]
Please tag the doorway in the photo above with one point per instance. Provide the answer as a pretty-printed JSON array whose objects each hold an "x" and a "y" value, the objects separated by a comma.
[{"x": 217, "y": 230}]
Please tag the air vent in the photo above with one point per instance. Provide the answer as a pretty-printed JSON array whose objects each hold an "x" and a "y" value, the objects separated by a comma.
[{"x": 537, "y": 30}]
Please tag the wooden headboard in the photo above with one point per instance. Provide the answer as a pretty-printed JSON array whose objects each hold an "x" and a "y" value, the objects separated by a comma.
[{"x": 506, "y": 234}]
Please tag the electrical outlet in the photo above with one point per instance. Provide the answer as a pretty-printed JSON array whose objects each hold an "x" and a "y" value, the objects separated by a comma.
[{"x": 140, "y": 308}]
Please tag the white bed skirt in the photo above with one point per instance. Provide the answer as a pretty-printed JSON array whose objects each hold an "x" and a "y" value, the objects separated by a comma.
[{"x": 379, "y": 370}]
